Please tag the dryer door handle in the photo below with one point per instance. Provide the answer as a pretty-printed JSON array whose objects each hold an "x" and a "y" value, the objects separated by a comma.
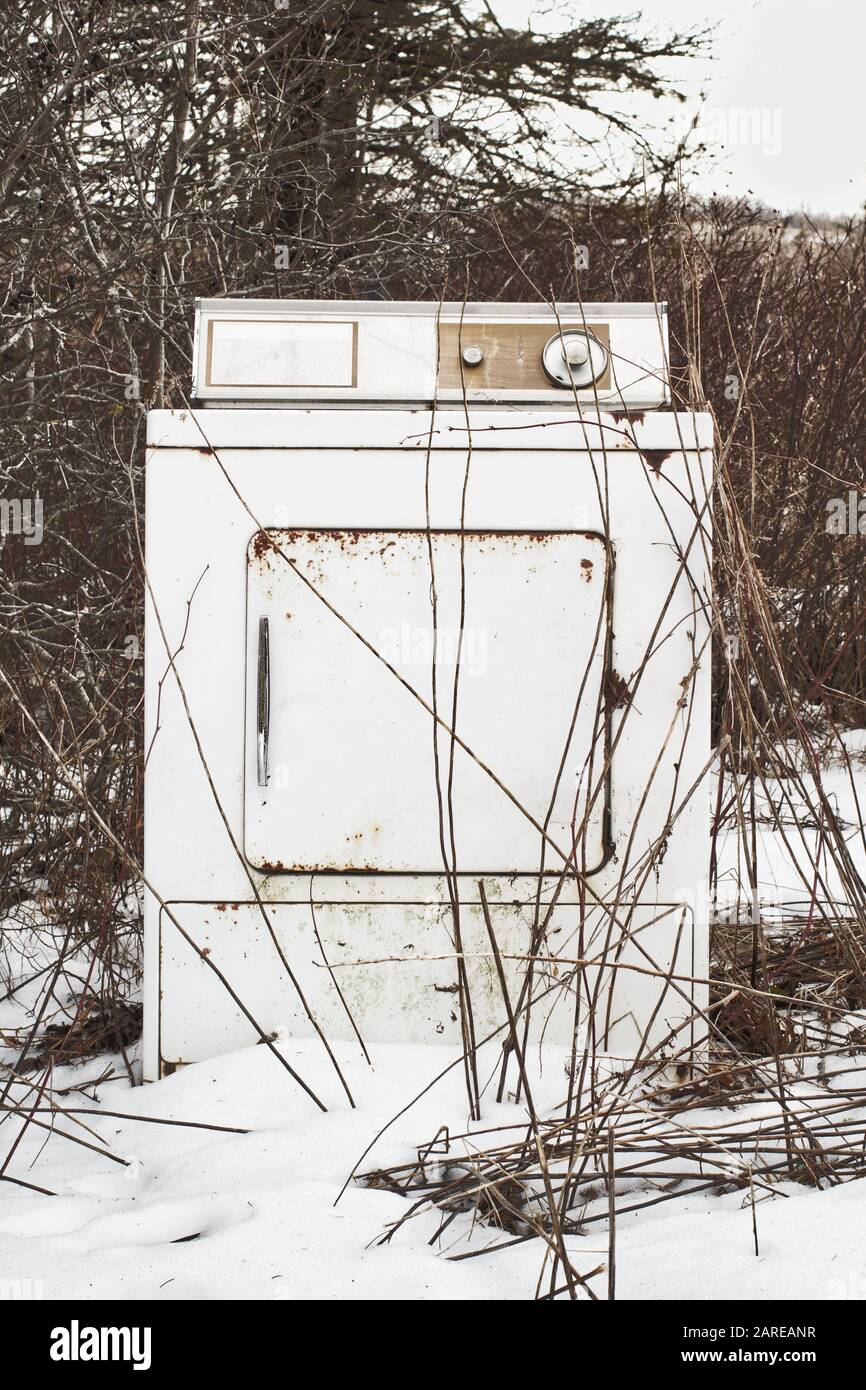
[{"x": 263, "y": 703}]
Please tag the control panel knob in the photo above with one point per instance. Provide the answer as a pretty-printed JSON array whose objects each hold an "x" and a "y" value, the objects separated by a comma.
[
  {"x": 574, "y": 358},
  {"x": 575, "y": 350},
  {"x": 473, "y": 355}
]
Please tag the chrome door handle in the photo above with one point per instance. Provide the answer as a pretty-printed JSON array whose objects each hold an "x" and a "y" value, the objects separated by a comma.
[{"x": 263, "y": 703}]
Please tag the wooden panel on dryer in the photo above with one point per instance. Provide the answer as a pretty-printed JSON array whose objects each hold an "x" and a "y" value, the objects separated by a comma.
[{"x": 512, "y": 355}]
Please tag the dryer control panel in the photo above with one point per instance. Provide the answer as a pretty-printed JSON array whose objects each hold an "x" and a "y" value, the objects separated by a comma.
[{"x": 279, "y": 351}]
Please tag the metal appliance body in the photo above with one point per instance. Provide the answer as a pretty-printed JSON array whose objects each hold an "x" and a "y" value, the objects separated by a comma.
[{"x": 367, "y": 516}]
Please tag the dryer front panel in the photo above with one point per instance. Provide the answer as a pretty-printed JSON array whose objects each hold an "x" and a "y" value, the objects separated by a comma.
[{"x": 366, "y": 647}]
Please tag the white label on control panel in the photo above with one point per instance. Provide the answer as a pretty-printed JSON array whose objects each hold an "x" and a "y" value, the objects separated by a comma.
[{"x": 261, "y": 352}]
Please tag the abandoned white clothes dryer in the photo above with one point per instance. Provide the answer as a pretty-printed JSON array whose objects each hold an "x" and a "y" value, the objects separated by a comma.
[{"x": 353, "y": 519}]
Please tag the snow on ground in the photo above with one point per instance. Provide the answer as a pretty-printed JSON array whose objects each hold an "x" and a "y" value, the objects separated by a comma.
[
  {"x": 810, "y": 1247},
  {"x": 200, "y": 1214},
  {"x": 261, "y": 1204},
  {"x": 789, "y": 837}
]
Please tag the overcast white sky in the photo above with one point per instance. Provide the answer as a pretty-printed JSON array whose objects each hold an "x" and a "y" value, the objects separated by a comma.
[{"x": 785, "y": 91}]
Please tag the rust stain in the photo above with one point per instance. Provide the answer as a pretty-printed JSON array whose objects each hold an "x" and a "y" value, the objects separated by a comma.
[
  {"x": 616, "y": 691},
  {"x": 278, "y": 867},
  {"x": 655, "y": 458},
  {"x": 634, "y": 417},
  {"x": 262, "y": 543},
  {"x": 586, "y": 566}
]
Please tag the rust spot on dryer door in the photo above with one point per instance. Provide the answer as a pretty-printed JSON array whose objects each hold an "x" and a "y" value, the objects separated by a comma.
[{"x": 262, "y": 543}]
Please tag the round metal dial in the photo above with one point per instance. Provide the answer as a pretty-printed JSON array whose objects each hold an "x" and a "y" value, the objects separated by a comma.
[
  {"x": 574, "y": 359},
  {"x": 473, "y": 356}
]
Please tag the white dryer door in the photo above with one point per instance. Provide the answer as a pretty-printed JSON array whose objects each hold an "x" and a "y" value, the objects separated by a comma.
[{"x": 347, "y": 771}]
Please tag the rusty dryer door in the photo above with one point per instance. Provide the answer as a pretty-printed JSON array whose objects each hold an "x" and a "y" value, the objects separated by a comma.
[{"x": 343, "y": 769}]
